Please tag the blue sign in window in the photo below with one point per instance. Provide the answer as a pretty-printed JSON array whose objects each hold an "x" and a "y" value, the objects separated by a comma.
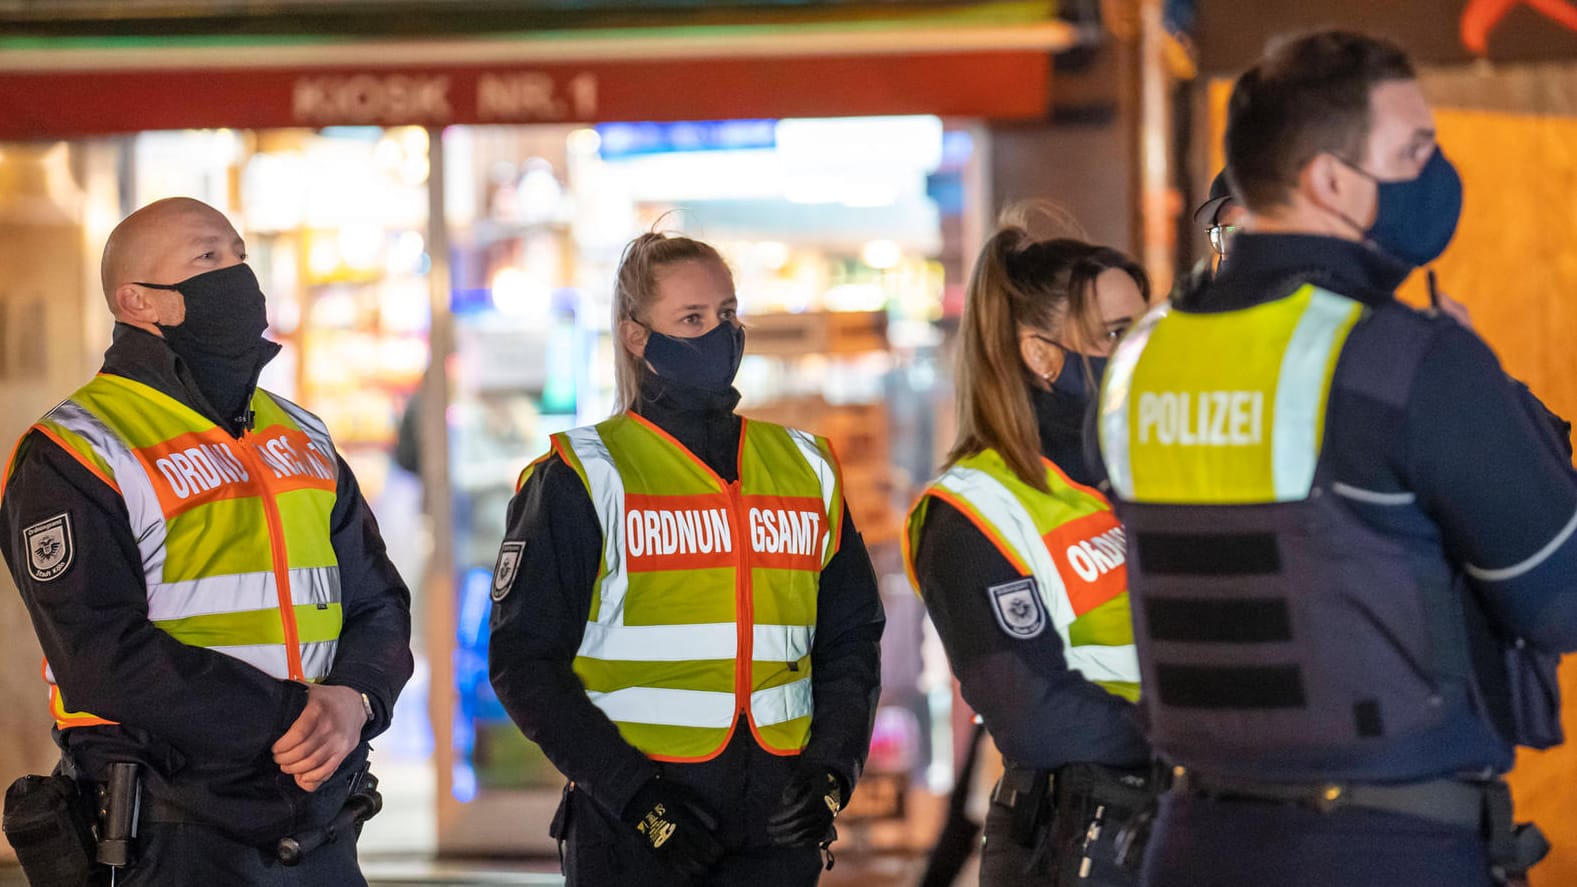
[{"x": 636, "y": 139}]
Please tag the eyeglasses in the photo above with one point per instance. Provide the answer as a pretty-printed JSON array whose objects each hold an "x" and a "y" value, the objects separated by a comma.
[{"x": 1221, "y": 237}]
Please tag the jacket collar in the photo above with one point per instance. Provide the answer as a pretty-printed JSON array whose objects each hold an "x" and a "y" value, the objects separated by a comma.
[
  {"x": 1266, "y": 267},
  {"x": 141, "y": 356}
]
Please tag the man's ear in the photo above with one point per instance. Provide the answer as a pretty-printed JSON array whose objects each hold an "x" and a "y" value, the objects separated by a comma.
[
  {"x": 633, "y": 336},
  {"x": 1322, "y": 179},
  {"x": 135, "y": 304}
]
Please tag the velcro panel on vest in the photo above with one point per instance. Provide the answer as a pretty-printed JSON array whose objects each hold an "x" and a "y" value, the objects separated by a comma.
[
  {"x": 1265, "y": 620},
  {"x": 1239, "y": 687},
  {"x": 1202, "y": 554},
  {"x": 1285, "y": 668}
]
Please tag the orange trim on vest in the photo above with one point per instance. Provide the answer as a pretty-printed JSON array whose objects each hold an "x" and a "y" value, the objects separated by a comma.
[
  {"x": 985, "y": 528},
  {"x": 86, "y": 462},
  {"x": 276, "y": 544},
  {"x": 1075, "y": 484},
  {"x": 553, "y": 447},
  {"x": 906, "y": 547},
  {"x": 701, "y": 464}
]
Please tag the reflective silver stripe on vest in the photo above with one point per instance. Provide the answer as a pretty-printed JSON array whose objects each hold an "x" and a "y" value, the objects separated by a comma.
[
  {"x": 239, "y": 592},
  {"x": 703, "y": 708},
  {"x": 142, "y": 504},
  {"x": 997, "y": 504},
  {"x": 667, "y": 707},
  {"x": 827, "y": 476},
  {"x": 313, "y": 428},
  {"x": 607, "y": 499},
  {"x": 683, "y": 643},
  {"x": 1115, "y": 397},
  {"x": 779, "y": 705},
  {"x": 1300, "y": 393},
  {"x": 316, "y": 659}
]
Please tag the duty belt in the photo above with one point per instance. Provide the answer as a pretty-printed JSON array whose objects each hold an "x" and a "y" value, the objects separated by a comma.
[
  {"x": 1450, "y": 801},
  {"x": 1481, "y": 805}
]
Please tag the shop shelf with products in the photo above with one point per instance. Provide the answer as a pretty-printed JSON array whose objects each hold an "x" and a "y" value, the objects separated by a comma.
[{"x": 818, "y": 353}]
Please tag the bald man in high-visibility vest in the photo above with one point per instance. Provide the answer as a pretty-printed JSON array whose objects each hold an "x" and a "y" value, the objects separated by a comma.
[{"x": 206, "y": 580}]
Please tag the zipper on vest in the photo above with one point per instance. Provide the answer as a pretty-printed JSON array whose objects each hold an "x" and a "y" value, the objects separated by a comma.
[
  {"x": 744, "y": 606},
  {"x": 276, "y": 544}
]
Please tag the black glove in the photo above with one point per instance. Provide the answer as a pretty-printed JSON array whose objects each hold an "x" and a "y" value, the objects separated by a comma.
[
  {"x": 809, "y": 803},
  {"x": 675, "y": 824}
]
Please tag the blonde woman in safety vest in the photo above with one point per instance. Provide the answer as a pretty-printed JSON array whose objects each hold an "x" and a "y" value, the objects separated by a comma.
[
  {"x": 685, "y": 619},
  {"x": 1021, "y": 562},
  {"x": 207, "y": 584}
]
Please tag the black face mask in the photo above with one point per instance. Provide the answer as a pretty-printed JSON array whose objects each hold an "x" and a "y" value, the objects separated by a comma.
[
  {"x": 221, "y": 339},
  {"x": 707, "y": 362}
]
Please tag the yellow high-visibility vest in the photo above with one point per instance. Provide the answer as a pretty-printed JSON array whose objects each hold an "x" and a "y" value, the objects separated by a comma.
[
  {"x": 234, "y": 534},
  {"x": 1242, "y": 429},
  {"x": 704, "y": 612},
  {"x": 1068, "y": 541}
]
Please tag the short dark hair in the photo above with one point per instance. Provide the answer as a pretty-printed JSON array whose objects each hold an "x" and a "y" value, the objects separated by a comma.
[{"x": 1308, "y": 96}]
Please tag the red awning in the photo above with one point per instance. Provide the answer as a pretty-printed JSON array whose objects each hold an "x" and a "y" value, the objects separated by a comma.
[{"x": 1011, "y": 83}]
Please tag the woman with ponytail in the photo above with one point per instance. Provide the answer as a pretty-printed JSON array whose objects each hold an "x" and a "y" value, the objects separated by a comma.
[
  {"x": 685, "y": 619},
  {"x": 1020, "y": 560}
]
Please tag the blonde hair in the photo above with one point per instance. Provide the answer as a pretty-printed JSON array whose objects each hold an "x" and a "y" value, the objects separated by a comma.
[
  {"x": 633, "y": 292},
  {"x": 1020, "y": 281}
]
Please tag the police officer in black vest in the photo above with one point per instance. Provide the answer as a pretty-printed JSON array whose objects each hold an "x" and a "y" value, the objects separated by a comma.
[{"x": 1352, "y": 548}]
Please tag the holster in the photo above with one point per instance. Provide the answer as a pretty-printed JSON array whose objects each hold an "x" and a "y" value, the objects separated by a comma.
[
  {"x": 1027, "y": 793},
  {"x": 1513, "y": 847},
  {"x": 48, "y": 822},
  {"x": 1094, "y": 805}
]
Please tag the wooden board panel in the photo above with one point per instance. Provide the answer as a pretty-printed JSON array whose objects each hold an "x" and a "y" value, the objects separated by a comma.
[{"x": 1514, "y": 264}]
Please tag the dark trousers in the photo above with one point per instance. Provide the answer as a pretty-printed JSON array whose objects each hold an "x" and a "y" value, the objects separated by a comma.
[
  {"x": 189, "y": 855},
  {"x": 600, "y": 851},
  {"x": 1202, "y": 842}
]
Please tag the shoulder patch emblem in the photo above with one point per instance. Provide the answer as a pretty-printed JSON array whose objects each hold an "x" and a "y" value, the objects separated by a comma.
[
  {"x": 50, "y": 547},
  {"x": 508, "y": 565},
  {"x": 1018, "y": 607}
]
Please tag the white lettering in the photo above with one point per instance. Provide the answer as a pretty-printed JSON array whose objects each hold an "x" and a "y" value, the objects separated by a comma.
[
  {"x": 184, "y": 466},
  {"x": 1102, "y": 562},
  {"x": 1205, "y": 418},
  {"x": 583, "y": 92},
  {"x": 1082, "y": 564},
  {"x": 651, "y": 525},
  {"x": 527, "y": 95},
  {"x": 318, "y": 463},
  {"x": 369, "y": 98},
  {"x": 173, "y": 476},
  {"x": 686, "y": 528},
  {"x": 200, "y": 461},
  {"x": 668, "y": 531},
  {"x": 226, "y": 462},
  {"x": 705, "y": 536},
  {"x": 634, "y": 542}
]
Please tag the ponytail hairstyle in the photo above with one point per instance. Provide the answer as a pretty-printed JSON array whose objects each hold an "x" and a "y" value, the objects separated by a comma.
[
  {"x": 635, "y": 288},
  {"x": 1023, "y": 282}
]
